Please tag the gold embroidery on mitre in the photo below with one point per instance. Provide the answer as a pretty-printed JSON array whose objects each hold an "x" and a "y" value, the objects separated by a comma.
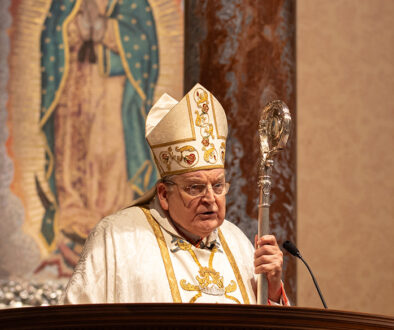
[
  {"x": 223, "y": 151},
  {"x": 209, "y": 280},
  {"x": 187, "y": 157},
  {"x": 206, "y": 127}
]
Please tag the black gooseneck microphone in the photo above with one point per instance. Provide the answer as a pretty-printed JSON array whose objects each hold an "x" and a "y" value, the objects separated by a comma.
[{"x": 291, "y": 248}]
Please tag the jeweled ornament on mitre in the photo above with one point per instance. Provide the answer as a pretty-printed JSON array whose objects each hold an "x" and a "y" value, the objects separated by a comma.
[{"x": 188, "y": 135}]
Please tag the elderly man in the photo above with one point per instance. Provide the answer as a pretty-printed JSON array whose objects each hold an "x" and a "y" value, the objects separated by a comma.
[{"x": 173, "y": 244}]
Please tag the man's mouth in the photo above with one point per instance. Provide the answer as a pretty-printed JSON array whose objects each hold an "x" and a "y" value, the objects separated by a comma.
[{"x": 208, "y": 214}]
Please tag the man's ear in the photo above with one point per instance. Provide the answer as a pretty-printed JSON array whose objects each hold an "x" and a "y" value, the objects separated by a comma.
[{"x": 162, "y": 194}]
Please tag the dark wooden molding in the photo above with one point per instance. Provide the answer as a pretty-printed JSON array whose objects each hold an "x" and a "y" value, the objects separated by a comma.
[{"x": 187, "y": 316}]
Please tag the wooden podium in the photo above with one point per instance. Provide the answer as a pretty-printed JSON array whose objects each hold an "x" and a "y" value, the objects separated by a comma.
[{"x": 187, "y": 316}]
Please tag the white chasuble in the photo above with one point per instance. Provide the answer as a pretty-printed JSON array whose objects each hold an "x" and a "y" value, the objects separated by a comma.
[{"x": 137, "y": 256}]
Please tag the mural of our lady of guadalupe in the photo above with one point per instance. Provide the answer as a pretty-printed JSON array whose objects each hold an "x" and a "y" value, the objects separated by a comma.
[
  {"x": 99, "y": 71},
  {"x": 97, "y": 57}
]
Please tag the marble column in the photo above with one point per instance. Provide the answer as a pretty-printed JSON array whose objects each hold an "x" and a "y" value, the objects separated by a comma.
[{"x": 243, "y": 51}]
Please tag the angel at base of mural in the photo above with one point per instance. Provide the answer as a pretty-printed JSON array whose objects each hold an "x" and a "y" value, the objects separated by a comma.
[{"x": 99, "y": 69}]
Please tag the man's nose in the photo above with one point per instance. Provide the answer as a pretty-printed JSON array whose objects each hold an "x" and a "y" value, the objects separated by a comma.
[{"x": 209, "y": 194}]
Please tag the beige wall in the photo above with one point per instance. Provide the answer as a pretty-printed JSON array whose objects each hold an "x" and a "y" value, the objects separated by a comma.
[{"x": 345, "y": 106}]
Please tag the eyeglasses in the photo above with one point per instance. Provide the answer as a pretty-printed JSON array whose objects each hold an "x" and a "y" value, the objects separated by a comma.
[{"x": 200, "y": 189}]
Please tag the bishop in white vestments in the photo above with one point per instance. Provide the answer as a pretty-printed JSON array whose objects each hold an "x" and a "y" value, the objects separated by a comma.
[{"x": 173, "y": 244}]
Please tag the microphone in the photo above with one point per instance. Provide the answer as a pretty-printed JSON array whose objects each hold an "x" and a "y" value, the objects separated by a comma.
[{"x": 292, "y": 249}]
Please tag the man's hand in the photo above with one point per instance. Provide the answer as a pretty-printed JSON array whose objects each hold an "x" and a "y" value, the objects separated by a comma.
[{"x": 268, "y": 260}]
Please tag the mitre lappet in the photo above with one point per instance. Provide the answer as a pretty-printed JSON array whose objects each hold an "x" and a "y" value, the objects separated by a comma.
[{"x": 186, "y": 136}]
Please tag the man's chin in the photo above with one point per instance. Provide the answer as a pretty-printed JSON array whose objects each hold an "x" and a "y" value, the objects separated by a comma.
[{"x": 207, "y": 226}]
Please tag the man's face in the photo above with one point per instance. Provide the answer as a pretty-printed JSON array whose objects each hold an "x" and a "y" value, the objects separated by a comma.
[{"x": 198, "y": 215}]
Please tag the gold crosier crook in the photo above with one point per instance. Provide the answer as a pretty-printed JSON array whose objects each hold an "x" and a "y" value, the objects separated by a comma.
[{"x": 274, "y": 130}]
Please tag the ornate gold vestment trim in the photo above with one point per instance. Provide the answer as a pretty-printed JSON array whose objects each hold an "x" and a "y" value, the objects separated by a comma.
[
  {"x": 234, "y": 266},
  {"x": 176, "y": 297},
  {"x": 209, "y": 280}
]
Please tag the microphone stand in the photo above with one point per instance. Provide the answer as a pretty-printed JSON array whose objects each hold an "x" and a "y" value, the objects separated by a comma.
[
  {"x": 314, "y": 280},
  {"x": 292, "y": 249}
]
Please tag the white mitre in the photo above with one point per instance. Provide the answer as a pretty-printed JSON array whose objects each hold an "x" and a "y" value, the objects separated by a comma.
[
  {"x": 185, "y": 136},
  {"x": 189, "y": 135}
]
